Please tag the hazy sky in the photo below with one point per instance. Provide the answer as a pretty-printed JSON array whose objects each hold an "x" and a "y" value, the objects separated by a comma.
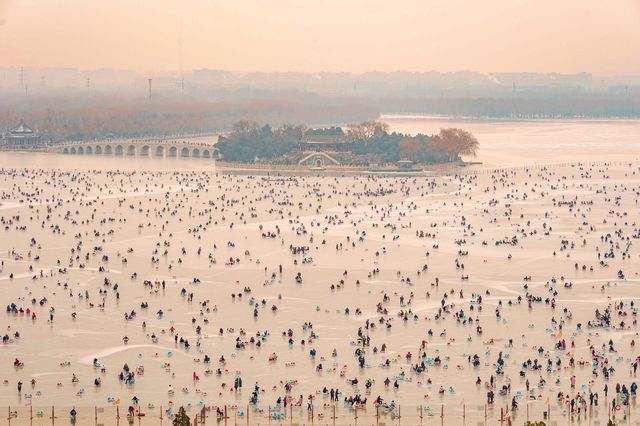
[{"x": 598, "y": 36}]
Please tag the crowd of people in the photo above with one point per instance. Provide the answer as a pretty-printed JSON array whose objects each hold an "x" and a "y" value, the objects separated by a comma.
[{"x": 499, "y": 288}]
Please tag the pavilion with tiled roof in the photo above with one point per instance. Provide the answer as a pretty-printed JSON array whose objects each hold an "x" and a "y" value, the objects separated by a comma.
[{"x": 22, "y": 137}]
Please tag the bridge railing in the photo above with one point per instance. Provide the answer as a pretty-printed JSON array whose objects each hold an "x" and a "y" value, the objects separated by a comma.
[{"x": 552, "y": 413}]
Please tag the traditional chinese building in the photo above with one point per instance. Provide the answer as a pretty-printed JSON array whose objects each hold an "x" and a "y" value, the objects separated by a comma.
[
  {"x": 324, "y": 144},
  {"x": 21, "y": 137}
]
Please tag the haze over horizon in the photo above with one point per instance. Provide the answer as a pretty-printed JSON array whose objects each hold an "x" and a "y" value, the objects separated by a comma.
[{"x": 312, "y": 36}]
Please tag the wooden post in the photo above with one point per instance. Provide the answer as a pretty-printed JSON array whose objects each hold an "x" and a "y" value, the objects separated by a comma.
[
  {"x": 31, "y": 413},
  {"x": 501, "y": 415},
  {"x": 420, "y": 413},
  {"x": 53, "y": 415},
  {"x": 95, "y": 414},
  {"x": 118, "y": 412},
  {"x": 377, "y": 414},
  {"x": 485, "y": 413},
  {"x": 269, "y": 414},
  {"x": 247, "y": 415},
  {"x": 464, "y": 412},
  {"x": 334, "y": 414},
  {"x": 527, "y": 411},
  {"x": 9, "y": 415}
]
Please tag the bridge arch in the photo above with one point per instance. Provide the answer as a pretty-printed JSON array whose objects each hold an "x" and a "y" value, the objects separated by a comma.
[{"x": 142, "y": 148}]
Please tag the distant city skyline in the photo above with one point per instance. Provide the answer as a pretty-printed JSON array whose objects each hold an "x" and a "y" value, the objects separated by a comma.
[{"x": 569, "y": 36}]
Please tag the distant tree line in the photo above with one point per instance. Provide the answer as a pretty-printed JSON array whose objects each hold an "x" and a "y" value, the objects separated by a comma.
[
  {"x": 67, "y": 118},
  {"x": 66, "y": 115},
  {"x": 370, "y": 141}
]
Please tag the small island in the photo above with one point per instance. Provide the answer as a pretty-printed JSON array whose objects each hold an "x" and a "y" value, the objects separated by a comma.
[{"x": 365, "y": 145}]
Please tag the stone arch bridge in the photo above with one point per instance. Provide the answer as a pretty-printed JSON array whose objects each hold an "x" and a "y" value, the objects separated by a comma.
[{"x": 162, "y": 148}]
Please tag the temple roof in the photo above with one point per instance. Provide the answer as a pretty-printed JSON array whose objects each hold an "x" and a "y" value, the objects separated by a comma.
[
  {"x": 22, "y": 129},
  {"x": 323, "y": 139}
]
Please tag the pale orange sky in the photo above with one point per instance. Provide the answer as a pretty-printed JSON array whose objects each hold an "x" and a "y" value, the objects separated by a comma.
[{"x": 598, "y": 36}]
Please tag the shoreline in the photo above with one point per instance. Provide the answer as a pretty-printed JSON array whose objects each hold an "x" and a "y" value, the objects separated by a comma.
[{"x": 490, "y": 119}]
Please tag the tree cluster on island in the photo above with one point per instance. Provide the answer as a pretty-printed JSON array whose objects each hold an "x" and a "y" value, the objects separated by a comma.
[{"x": 369, "y": 142}]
